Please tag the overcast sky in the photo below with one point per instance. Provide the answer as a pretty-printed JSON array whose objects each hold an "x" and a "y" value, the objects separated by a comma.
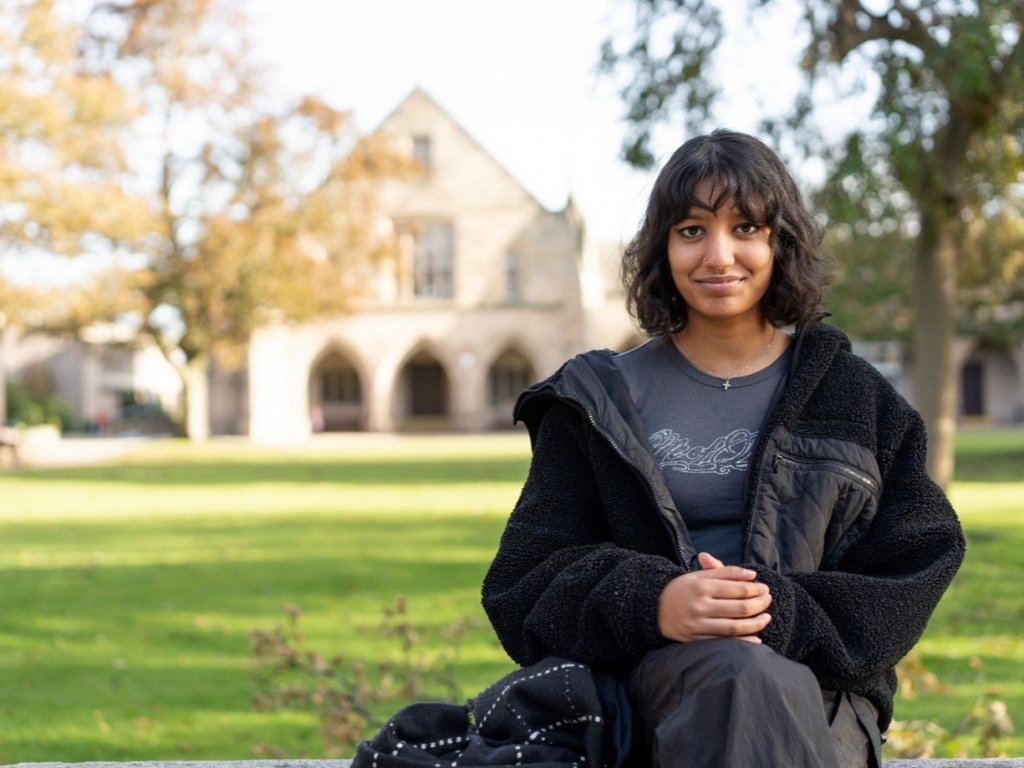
[{"x": 518, "y": 76}]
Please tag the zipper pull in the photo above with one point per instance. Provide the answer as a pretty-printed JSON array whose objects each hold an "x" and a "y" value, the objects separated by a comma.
[{"x": 775, "y": 462}]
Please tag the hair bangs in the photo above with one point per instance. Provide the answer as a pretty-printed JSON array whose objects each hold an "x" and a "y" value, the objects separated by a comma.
[{"x": 726, "y": 182}]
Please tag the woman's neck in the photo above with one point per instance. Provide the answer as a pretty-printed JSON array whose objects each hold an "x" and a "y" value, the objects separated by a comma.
[{"x": 731, "y": 350}]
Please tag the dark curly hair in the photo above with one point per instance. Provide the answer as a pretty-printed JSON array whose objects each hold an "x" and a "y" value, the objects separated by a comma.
[{"x": 745, "y": 171}]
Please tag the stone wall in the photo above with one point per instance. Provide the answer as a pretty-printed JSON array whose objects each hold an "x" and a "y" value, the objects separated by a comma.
[{"x": 965, "y": 763}]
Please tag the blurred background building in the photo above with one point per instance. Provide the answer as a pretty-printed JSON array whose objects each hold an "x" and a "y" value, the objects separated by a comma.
[{"x": 490, "y": 292}]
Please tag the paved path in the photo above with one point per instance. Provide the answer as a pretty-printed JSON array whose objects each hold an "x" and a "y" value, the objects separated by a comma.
[{"x": 77, "y": 451}]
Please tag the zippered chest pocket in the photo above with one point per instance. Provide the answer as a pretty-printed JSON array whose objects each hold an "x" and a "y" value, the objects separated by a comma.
[
  {"x": 825, "y": 465},
  {"x": 811, "y": 510}
]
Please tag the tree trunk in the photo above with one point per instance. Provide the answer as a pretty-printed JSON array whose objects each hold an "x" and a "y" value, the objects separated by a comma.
[
  {"x": 935, "y": 384},
  {"x": 197, "y": 399}
]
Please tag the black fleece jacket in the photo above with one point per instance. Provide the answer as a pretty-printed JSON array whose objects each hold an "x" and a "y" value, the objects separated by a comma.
[{"x": 842, "y": 522}]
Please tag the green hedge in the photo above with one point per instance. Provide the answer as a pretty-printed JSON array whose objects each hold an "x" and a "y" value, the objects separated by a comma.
[{"x": 26, "y": 409}]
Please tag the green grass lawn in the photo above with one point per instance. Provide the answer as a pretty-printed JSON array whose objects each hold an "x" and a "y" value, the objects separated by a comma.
[
  {"x": 130, "y": 589},
  {"x": 975, "y": 642}
]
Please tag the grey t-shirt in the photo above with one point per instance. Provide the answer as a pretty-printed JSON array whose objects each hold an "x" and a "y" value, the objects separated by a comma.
[{"x": 702, "y": 436}]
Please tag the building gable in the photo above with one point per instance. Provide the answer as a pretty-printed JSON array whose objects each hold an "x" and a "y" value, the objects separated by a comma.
[
  {"x": 457, "y": 173},
  {"x": 468, "y": 234}
]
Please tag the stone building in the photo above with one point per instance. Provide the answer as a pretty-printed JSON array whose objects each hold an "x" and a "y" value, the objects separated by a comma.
[
  {"x": 98, "y": 375},
  {"x": 990, "y": 384},
  {"x": 491, "y": 291}
]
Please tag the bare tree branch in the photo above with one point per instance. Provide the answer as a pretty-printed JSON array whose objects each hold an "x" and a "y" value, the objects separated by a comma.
[{"x": 849, "y": 34}]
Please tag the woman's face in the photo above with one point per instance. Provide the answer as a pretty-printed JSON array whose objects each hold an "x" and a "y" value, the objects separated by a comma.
[{"x": 721, "y": 263}]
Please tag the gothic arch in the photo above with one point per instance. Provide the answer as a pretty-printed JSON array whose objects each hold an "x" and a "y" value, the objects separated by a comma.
[
  {"x": 509, "y": 373},
  {"x": 422, "y": 397},
  {"x": 337, "y": 394}
]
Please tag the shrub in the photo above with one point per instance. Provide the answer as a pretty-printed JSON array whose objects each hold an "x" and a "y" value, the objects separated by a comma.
[
  {"x": 345, "y": 694},
  {"x": 29, "y": 409}
]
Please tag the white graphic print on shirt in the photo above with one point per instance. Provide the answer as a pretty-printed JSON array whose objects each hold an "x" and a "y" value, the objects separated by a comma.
[{"x": 730, "y": 453}]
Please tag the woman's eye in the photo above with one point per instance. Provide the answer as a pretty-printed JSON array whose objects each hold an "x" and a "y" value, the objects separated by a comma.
[
  {"x": 688, "y": 232},
  {"x": 747, "y": 228}
]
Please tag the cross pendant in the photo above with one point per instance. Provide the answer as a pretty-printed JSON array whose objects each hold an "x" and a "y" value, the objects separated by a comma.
[{"x": 725, "y": 386}]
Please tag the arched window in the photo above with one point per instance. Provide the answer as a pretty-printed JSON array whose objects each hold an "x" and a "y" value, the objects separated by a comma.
[
  {"x": 424, "y": 394},
  {"x": 433, "y": 257},
  {"x": 972, "y": 389},
  {"x": 340, "y": 385},
  {"x": 335, "y": 395}
]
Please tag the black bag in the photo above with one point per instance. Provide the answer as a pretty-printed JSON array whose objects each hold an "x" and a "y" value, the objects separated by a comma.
[{"x": 549, "y": 715}]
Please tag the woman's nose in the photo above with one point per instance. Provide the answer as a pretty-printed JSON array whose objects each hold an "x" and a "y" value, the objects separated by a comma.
[{"x": 719, "y": 249}]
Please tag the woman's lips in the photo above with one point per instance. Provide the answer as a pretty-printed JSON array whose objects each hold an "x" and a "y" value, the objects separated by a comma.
[{"x": 720, "y": 284}]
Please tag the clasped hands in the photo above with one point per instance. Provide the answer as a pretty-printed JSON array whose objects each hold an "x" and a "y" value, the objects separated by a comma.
[{"x": 717, "y": 601}]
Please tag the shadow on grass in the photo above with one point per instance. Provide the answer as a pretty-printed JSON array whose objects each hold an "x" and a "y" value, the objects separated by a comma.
[
  {"x": 144, "y": 714},
  {"x": 163, "y": 713},
  {"x": 76, "y": 604},
  {"x": 249, "y": 568},
  {"x": 375, "y": 472},
  {"x": 990, "y": 456},
  {"x": 1004, "y": 467}
]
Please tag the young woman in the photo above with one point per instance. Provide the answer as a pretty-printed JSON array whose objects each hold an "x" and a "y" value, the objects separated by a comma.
[{"x": 733, "y": 518}]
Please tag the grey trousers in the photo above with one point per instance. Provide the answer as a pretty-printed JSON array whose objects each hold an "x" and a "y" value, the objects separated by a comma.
[{"x": 731, "y": 704}]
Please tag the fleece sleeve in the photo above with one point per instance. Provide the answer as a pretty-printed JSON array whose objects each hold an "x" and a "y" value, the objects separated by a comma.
[
  {"x": 557, "y": 586},
  {"x": 858, "y": 620}
]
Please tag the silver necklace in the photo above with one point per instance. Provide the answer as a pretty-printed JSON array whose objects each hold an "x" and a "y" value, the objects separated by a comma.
[{"x": 725, "y": 379}]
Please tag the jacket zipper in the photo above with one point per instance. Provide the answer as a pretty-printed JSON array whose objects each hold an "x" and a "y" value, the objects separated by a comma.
[
  {"x": 672, "y": 524},
  {"x": 827, "y": 464},
  {"x": 750, "y": 504},
  {"x": 764, "y": 440}
]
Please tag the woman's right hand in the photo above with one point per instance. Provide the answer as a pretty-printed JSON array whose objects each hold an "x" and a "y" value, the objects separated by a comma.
[{"x": 717, "y": 601}]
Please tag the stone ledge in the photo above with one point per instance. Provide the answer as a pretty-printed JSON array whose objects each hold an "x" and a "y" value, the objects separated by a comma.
[{"x": 956, "y": 763}]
